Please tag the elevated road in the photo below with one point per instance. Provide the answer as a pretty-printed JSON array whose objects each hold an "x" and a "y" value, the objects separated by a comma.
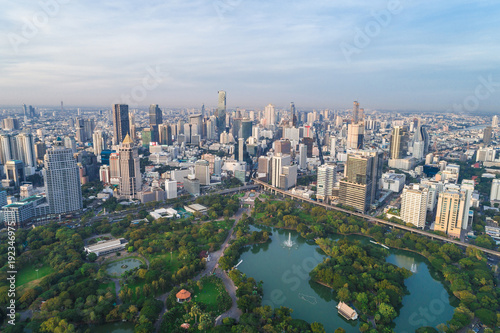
[{"x": 374, "y": 219}]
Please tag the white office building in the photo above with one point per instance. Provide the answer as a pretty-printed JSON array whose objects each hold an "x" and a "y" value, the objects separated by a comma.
[
  {"x": 62, "y": 181},
  {"x": 414, "y": 205},
  {"x": 326, "y": 180}
]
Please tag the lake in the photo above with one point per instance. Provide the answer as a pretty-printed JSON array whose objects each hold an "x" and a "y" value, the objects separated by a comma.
[{"x": 285, "y": 273}]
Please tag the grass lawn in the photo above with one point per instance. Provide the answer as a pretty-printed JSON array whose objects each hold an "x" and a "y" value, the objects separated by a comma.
[
  {"x": 208, "y": 295},
  {"x": 104, "y": 286},
  {"x": 171, "y": 264},
  {"x": 223, "y": 224},
  {"x": 28, "y": 274},
  {"x": 259, "y": 216},
  {"x": 239, "y": 195}
]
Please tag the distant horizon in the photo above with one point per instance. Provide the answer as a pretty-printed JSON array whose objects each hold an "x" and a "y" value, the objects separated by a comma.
[
  {"x": 57, "y": 107},
  {"x": 388, "y": 54}
]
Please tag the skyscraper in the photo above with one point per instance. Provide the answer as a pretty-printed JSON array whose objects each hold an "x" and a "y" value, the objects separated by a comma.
[
  {"x": 355, "y": 112},
  {"x": 130, "y": 171},
  {"x": 359, "y": 188},
  {"x": 62, "y": 180},
  {"x": 355, "y": 136},
  {"x": 487, "y": 135},
  {"x": 221, "y": 111},
  {"x": 26, "y": 146},
  {"x": 302, "y": 156},
  {"x": 414, "y": 205},
  {"x": 98, "y": 142},
  {"x": 269, "y": 115},
  {"x": 399, "y": 142},
  {"x": 294, "y": 116},
  {"x": 155, "y": 119},
  {"x": 202, "y": 172},
  {"x": 450, "y": 212},
  {"x": 494, "y": 122},
  {"x": 277, "y": 163},
  {"x": 326, "y": 180},
  {"x": 121, "y": 123}
]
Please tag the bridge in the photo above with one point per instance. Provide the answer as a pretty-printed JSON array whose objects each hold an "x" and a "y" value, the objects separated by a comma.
[{"x": 372, "y": 219}]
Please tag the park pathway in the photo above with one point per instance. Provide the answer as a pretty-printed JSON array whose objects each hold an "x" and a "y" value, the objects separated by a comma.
[{"x": 233, "y": 312}]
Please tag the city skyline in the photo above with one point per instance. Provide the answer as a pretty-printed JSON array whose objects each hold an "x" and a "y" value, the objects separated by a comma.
[{"x": 419, "y": 57}]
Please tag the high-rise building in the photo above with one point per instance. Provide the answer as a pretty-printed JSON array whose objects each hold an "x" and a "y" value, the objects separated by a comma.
[
  {"x": 399, "y": 143},
  {"x": 14, "y": 170},
  {"x": 11, "y": 124},
  {"x": 121, "y": 123},
  {"x": 302, "y": 156},
  {"x": 155, "y": 115},
  {"x": 202, "y": 172},
  {"x": 40, "y": 150},
  {"x": 62, "y": 180},
  {"x": 197, "y": 123},
  {"x": 494, "y": 122},
  {"x": 269, "y": 116},
  {"x": 450, "y": 212},
  {"x": 88, "y": 128},
  {"x": 414, "y": 205},
  {"x": 241, "y": 149},
  {"x": 165, "y": 134},
  {"x": 293, "y": 115},
  {"x": 355, "y": 113},
  {"x": 282, "y": 146},
  {"x": 245, "y": 129},
  {"x": 8, "y": 148},
  {"x": 495, "y": 190},
  {"x": 26, "y": 146},
  {"x": 70, "y": 142},
  {"x": 355, "y": 136},
  {"x": 221, "y": 111},
  {"x": 130, "y": 170},
  {"x": 487, "y": 135},
  {"x": 98, "y": 142},
  {"x": 114, "y": 168},
  {"x": 326, "y": 180},
  {"x": 277, "y": 163},
  {"x": 359, "y": 189},
  {"x": 171, "y": 189}
]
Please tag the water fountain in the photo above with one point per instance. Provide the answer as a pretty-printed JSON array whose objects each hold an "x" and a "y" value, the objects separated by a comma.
[{"x": 289, "y": 242}]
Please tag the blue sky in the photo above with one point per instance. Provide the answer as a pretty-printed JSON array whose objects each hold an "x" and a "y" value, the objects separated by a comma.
[{"x": 426, "y": 55}]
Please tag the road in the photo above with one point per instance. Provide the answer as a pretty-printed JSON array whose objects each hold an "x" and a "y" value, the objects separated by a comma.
[
  {"x": 374, "y": 219},
  {"x": 122, "y": 214}
]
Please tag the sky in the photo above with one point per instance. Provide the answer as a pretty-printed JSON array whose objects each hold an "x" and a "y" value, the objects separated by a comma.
[{"x": 390, "y": 55}]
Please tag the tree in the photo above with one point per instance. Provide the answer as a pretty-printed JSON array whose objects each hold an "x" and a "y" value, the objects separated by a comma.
[
  {"x": 92, "y": 257},
  {"x": 317, "y": 328},
  {"x": 340, "y": 330}
]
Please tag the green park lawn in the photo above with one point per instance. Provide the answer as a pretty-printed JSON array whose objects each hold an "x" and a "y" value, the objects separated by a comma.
[
  {"x": 208, "y": 295},
  {"x": 104, "y": 286},
  {"x": 28, "y": 273},
  {"x": 172, "y": 263}
]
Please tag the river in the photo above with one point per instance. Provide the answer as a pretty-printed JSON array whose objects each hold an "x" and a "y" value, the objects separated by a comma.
[{"x": 285, "y": 273}]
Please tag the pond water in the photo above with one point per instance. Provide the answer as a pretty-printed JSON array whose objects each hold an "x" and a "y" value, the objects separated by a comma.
[
  {"x": 120, "y": 267},
  {"x": 284, "y": 268},
  {"x": 118, "y": 327}
]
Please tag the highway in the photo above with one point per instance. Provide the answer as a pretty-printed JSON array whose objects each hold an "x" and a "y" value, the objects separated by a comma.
[{"x": 374, "y": 219}]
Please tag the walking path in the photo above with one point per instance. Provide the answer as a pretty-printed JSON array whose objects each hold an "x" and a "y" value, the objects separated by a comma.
[{"x": 233, "y": 312}]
